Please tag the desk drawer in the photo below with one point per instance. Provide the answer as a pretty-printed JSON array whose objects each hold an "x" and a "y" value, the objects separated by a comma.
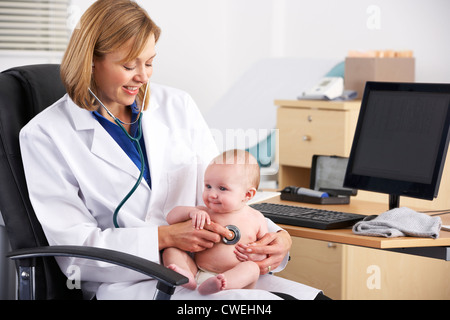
[
  {"x": 305, "y": 132},
  {"x": 317, "y": 264}
]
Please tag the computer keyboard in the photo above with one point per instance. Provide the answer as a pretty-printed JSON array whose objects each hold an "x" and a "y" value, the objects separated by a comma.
[{"x": 307, "y": 217}]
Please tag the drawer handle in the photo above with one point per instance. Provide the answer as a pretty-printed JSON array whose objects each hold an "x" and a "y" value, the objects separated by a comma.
[
  {"x": 309, "y": 118},
  {"x": 306, "y": 138}
]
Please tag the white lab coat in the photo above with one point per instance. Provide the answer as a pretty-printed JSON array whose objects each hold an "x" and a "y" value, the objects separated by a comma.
[{"x": 77, "y": 175}]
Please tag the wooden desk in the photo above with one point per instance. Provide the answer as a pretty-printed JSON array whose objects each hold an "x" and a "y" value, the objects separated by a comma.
[
  {"x": 349, "y": 266},
  {"x": 344, "y": 265},
  {"x": 346, "y": 236}
]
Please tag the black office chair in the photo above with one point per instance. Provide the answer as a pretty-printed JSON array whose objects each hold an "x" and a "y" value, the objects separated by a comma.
[{"x": 24, "y": 92}]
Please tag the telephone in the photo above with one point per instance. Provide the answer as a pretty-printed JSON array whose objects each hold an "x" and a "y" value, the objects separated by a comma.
[{"x": 328, "y": 88}]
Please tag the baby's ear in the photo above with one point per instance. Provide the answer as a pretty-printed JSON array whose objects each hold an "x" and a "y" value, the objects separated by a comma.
[{"x": 250, "y": 194}]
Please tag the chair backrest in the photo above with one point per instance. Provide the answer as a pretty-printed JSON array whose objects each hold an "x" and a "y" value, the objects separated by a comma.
[{"x": 24, "y": 92}]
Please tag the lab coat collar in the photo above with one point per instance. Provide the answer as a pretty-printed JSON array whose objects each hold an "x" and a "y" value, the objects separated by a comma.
[
  {"x": 155, "y": 135},
  {"x": 102, "y": 145}
]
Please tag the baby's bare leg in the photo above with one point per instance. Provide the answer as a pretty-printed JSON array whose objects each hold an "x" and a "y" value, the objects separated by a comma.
[
  {"x": 180, "y": 261},
  {"x": 242, "y": 276}
]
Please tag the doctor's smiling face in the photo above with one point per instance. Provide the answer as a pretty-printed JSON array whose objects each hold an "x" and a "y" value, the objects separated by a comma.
[{"x": 117, "y": 80}]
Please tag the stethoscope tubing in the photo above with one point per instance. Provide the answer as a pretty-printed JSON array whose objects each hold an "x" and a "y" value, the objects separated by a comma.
[
  {"x": 138, "y": 146},
  {"x": 141, "y": 174}
]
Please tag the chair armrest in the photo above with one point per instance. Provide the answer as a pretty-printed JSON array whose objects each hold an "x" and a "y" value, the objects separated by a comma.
[{"x": 166, "y": 277}]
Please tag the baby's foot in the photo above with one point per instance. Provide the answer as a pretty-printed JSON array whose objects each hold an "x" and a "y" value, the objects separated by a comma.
[
  {"x": 191, "y": 284},
  {"x": 213, "y": 285}
]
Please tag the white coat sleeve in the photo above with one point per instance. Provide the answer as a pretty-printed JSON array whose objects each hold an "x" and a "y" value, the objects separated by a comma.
[
  {"x": 274, "y": 228},
  {"x": 59, "y": 206}
]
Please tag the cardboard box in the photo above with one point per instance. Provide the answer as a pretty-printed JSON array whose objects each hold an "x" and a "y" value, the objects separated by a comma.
[{"x": 359, "y": 70}]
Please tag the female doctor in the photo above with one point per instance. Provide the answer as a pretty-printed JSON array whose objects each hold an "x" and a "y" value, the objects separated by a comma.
[{"x": 114, "y": 136}]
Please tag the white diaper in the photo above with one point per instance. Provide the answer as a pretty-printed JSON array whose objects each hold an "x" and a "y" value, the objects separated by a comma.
[{"x": 203, "y": 275}]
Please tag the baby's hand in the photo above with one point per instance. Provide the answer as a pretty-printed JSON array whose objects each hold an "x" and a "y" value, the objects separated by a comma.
[
  {"x": 199, "y": 218},
  {"x": 248, "y": 255},
  {"x": 257, "y": 256}
]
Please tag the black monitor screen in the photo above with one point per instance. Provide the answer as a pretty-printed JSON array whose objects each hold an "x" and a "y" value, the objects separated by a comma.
[{"x": 401, "y": 139}]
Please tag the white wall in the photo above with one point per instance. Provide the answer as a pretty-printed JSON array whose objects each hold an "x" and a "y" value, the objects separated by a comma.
[{"x": 206, "y": 45}]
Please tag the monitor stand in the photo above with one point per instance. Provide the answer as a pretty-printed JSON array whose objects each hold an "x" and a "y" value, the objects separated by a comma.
[{"x": 394, "y": 201}]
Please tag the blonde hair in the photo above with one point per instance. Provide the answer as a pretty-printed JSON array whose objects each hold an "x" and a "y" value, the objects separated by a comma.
[
  {"x": 241, "y": 157},
  {"x": 104, "y": 27}
]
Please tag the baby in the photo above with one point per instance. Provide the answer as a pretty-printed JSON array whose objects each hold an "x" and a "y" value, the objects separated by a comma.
[{"x": 231, "y": 180}]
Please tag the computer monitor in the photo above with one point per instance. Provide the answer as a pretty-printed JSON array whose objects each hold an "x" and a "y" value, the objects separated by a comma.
[{"x": 401, "y": 140}]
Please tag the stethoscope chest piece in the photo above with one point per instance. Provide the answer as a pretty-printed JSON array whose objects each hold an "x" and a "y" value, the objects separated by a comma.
[{"x": 236, "y": 237}]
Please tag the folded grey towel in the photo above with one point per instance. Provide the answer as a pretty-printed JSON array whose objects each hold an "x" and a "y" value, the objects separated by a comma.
[{"x": 399, "y": 222}]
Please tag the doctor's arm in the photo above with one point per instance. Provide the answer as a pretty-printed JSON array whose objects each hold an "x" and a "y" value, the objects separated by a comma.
[
  {"x": 183, "y": 236},
  {"x": 66, "y": 220}
]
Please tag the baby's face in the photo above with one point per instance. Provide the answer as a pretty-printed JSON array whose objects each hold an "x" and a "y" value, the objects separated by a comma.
[{"x": 224, "y": 188}]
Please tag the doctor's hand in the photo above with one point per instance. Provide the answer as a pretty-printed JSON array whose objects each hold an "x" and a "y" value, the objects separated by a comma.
[
  {"x": 183, "y": 236},
  {"x": 275, "y": 245}
]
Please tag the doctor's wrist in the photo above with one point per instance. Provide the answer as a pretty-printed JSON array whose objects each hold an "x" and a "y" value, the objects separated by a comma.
[{"x": 164, "y": 238}]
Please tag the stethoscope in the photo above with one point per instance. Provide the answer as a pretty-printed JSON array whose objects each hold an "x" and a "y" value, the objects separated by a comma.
[
  {"x": 135, "y": 141},
  {"x": 235, "y": 230},
  {"x": 236, "y": 235}
]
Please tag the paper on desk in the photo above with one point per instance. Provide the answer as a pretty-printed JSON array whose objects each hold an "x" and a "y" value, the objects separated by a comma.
[{"x": 263, "y": 195}]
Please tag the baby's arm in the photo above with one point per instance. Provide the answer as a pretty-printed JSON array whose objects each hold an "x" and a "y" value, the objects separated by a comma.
[
  {"x": 263, "y": 229},
  {"x": 182, "y": 213},
  {"x": 178, "y": 214},
  {"x": 261, "y": 232}
]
